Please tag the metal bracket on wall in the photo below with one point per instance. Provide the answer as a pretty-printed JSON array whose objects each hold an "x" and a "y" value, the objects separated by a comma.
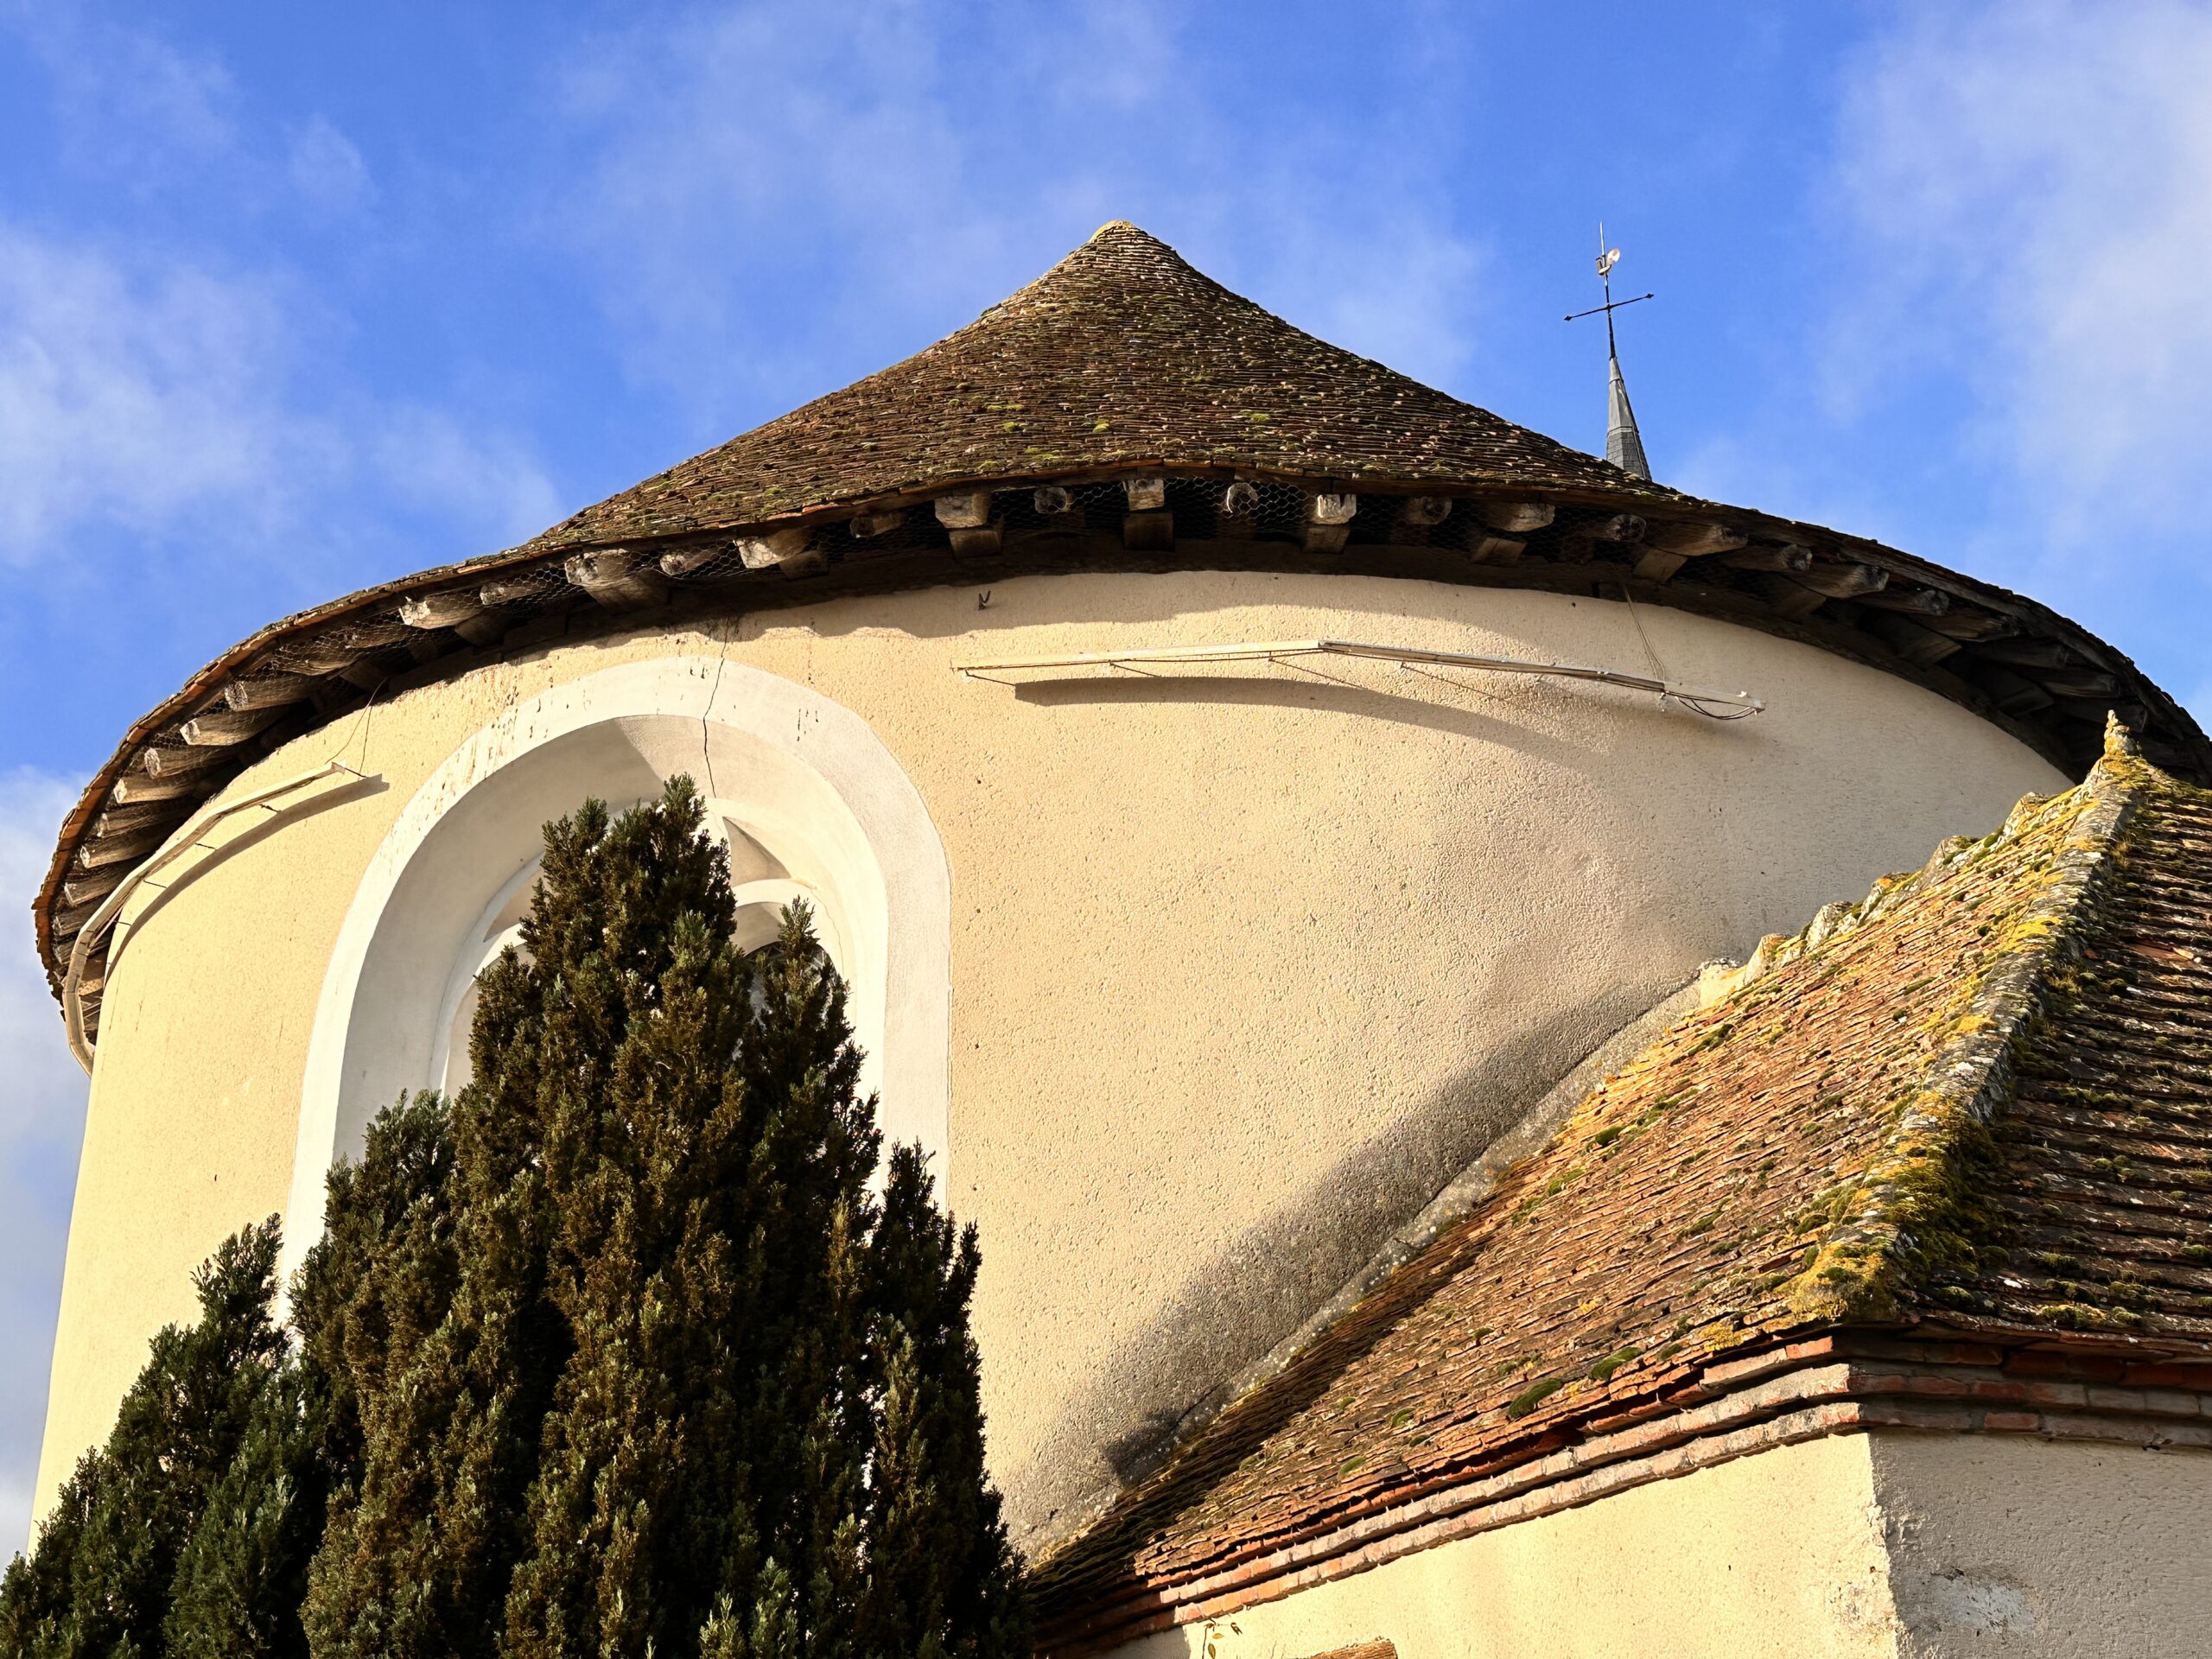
[{"x": 1716, "y": 705}]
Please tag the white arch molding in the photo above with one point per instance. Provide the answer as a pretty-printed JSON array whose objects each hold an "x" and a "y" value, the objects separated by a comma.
[{"x": 813, "y": 801}]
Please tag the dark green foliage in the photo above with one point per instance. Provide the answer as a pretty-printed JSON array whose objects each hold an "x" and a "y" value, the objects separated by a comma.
[
  {"x": 381, "y": 1275},
  {"x": 243, "y": 1575},
  {"x": 101, "y": 1579},
  {"x": 622, "y": 1353},
  {"x": 36, "y": 1596},
  {"x": 692, "y": 1387},
  {"x": 943, "y": 1578},
  {"x": 373, "y": 1300}
]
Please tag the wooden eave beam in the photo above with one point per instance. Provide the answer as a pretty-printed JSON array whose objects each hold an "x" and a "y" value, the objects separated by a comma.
[
  {"x": 122, "y": 848},
  {"x": 1237, "y": 517},
  {"x": 1147, "y": 526},
  {"x": 783, "y": 550},
  {"x": 1514, "y": 518},
  {"x": 1784, "y": 558},
  {"x": 170, "y": 763},
  {"x": 967, "y": 518},
  {"x": 1967, "y": 623},
  {"x": 142, "y": 787},
  {"x": 1694, "y": 538},
  {"x": 1844, "y": 579},
  {"x": 1914, "y": 601},
  {"x": 618, "y": 578},
  {"x": 91, "y": 887},
  {"x": 1327, "y": 523},
  {"x": 459, "y": 609},
  {"x": 122, "y": 820},
  {"x": 1908, "y": 639},
  {"x": 518, "y": 587},
  {"x": 868, "y": 525},
  {"x": 2029, "y": 651},
  {"x": 269, "y": 691},
  {"x": 1486, "y": 547},
  {"x": 69, "y": 920},
  {"x": 2083, "y": 682},
  {"x": 220, "y": 726}
]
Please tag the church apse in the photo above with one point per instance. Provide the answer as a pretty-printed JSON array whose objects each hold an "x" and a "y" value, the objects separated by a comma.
[{"x": 1202, "y": 982}]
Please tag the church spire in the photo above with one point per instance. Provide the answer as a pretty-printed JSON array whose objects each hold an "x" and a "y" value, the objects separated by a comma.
[{"x": 1624, "y": 443}]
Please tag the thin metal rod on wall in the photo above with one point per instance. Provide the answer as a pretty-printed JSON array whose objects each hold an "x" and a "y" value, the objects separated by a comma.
[
  {"x": 1718, "y": 705},
  {"x": 187, "y": 838}
]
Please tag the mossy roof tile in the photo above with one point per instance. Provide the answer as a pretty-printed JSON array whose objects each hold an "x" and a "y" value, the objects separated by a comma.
[
  {"x": 1981, "y": 1100},
  {"x": 1121, "y": 355}
]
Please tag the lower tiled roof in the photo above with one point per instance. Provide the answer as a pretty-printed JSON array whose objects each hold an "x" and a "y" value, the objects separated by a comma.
[
  {"x": 2101, "y": 1187},
  {"x": 1981, "y": 1101}
]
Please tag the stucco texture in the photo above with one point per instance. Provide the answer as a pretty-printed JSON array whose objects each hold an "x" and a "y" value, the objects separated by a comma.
[
  {"x": 1246, "y": 964},
  {"x": 1775, "y": 1556},
  {"x": 2007, "y": 1547},
  {"x": 1906, "y": 1546}
]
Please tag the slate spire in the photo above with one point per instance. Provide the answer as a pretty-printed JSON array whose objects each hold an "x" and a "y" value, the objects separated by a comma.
[{"x": 1624, "y": 443}]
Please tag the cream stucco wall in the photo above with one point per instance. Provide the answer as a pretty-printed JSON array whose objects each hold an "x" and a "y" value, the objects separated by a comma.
[
  {"x": 1246, "y": 964},
  {"x": 1905, "y": 1546},
  {"x": 2005, "y": 1546},
  {"x": 1775, "y": 1556}
]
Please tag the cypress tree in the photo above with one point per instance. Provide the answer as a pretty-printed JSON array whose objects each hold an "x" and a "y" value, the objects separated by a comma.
[
  {"x": 102, "y": 1577},
  {"x": 693, "y": 1387},
  {"x": 943, "y": 1578},
  {"x": 623, "y": 1354},
  {"x": 243, "y": 1573},
  {"x": 380, "y": 1276},
  {"x": 35, "y": 1595},
  {"x": 190, "y": 1532}
]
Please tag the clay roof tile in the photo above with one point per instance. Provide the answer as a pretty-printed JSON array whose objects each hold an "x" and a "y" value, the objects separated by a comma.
[
  {"x": 1120, "y": 355},
  {"x": 1979, "y": 1102}
]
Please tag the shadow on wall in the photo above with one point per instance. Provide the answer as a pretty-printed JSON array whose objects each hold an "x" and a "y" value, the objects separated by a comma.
[
  {"x": 1231, "y": 1310},
  {"x": 1511, "y": 729},
  {"x": 1084, "y": 601}
]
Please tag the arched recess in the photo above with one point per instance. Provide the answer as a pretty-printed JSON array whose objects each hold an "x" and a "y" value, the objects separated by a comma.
[{"x": 809, "y": 798}]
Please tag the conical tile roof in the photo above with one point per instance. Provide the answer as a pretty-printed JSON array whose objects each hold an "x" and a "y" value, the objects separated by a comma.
[
  {"x": 1120, "y": 363},
  {"x": 1121, "y": 355}
]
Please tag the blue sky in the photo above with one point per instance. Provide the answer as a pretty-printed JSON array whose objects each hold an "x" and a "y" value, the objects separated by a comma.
[{"x": 293, "y": 300}]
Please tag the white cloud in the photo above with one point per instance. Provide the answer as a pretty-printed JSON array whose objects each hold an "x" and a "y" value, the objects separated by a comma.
[
  {"x": 162, "y": 120},
  {"x": 41, "y": 1120},
  {"x": 428, "y": 459},
  {"x": 136, "y": 396},
  {"x": 147, "y": 394},
  {"x": 327, "y": 169},
  {"x": 2029, "y": 189},
  {"x": 127, "y": 103},
  {"x": 900, "y": 166},
  {"x": 839, "y": 134}
]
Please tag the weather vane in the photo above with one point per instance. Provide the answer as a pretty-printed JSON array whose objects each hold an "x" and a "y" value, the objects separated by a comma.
[{"x": 1624, "y": 443}]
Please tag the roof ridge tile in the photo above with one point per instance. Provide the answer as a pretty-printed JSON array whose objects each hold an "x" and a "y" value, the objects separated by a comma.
[{"x": 1915, "y": 1209}]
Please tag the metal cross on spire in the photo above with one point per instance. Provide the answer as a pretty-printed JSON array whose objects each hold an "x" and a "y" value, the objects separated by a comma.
[{"x": 1624, "y": 443}]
